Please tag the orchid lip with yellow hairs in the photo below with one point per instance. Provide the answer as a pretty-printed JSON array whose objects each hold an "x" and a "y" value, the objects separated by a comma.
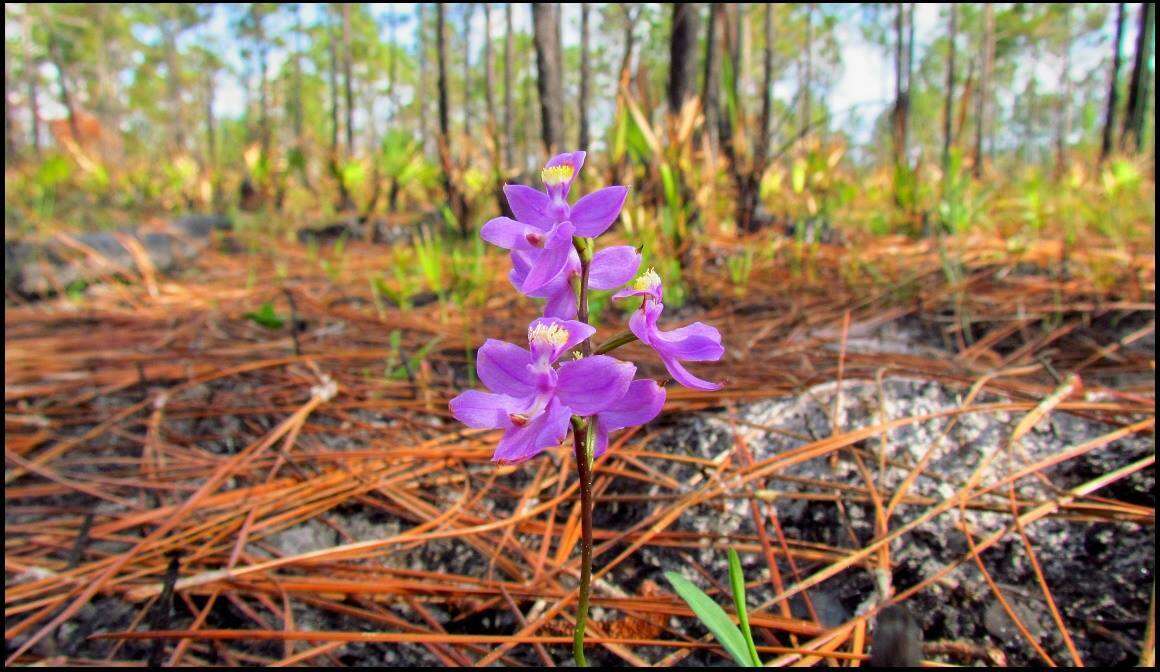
[
  {"x": 647, "y": 284},
  {"x": 554, "y": 176},
  {"x": 697, "y": 342}
]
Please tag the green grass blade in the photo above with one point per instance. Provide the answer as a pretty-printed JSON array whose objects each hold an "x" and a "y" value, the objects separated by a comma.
[
  {"x": 737, "y": 580},
  {"x": 713, "y": 616}
]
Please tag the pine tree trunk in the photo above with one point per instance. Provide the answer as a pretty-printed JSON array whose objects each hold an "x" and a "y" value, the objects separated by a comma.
[
  {"x": 899, "y": 55},
  {"x": 488, "y": 70},
  {"x": 948, "y": 107},
  {"x": 33, "y": 89},
  {"x": 630, "y": 14},
  {"x": 421, "y": 94},
  {"x": 750, "y": 187},
  {"x": 467, "y": 11},
  {"x": 585, "y": 76},
  {"x": 332, "y": 51},
  {"x": 211, "y": 142},
  {"x": 808, "y": 78},
  {"x": 1113, "y": 83},
  {"x": 348, "y": 79},
  {"x": 714, "y": 37},
  {"x": 683, "y": 55},
  {"x": 296, "y": 108},
  {"x": 454, "y": 196},
  {"x": 1132, "y": 137},
  {"x": 909, "y": 72},
  {"x": 509, "y": 140},
  {"x": 9, "y": 126},
  {"x": 173, "y": 84},
  {"x": 1063, "y": 102},
  {"x": 983, "y": 96},
  {"x": 546, "y": 23},
  {"x": 66, "y": 98},
  {"x": 393, "y": 66}
]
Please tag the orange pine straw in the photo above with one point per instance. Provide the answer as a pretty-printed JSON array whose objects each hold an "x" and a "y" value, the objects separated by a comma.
[{"x": 221, "y": 450}]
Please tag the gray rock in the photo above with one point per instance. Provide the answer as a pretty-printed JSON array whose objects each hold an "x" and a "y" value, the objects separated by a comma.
[{"x": 36, "y": 268}]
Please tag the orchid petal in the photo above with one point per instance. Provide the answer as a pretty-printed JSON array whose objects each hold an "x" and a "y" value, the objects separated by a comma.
[
  {"x": 562, "y": 302},
  {"x": 613, "y": 266},
  {"x": 529, "y": 205},
  {"x": 503, "y": 367},
  {"x": 593, "y": 214},
  {"x": 601, "y": 443},
  {"x": 643, "y": 325},
  {"x": 483, "y": 410},
  {"x": 640, "y": 404},
  {"x": 697, "y": 342},
  {"x": 552, "y": 260},
  {"x": 544, "y": 431},
  {"x": 589, "y": 385},
  {"x": 506, "y": 233},
  {"x": 682, "y": 375}
]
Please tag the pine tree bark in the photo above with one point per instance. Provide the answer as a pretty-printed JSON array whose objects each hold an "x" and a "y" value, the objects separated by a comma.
[
  {"x": 9, "y": 126},
  {"x": 173, "y": 85},
  {"x": 898, "y": 111},
  {"x": 348, "y": 79},
  {"x": 546, "y": 24},
  {"x": 1113, "y": 84},
  {"x": 421, "y": 94},
  {"x": 33, "y": 90},
  {"x": 909, "y": 75},
  {"x": 983, "y": 96},
  {"x": 683, "y": 55},
  {"x": 948, "y": 107},
  {"x": 296, "y": 103},
  {"x": 1132, "y": 136},
  {"x": 631, "y": 12},
  {"x": 211, "y": 142},
  {"x": 1063, "y": 102},
  {"x": 585, "y": 76},
  {"x": 508, "y": 83},
  {"x": 332, "y": 52},
  {"x": 488, "y": 70},
  {"x": 454, "y": 196},
  {"x": 66, "y": 98},
  {"x": 468, "y": 8},
  {"x": 808, "y": 78},
  {"x": 714, "y": 38},
  {"x": 393, "y": 65},
  {"x": 750, "y": 186}
]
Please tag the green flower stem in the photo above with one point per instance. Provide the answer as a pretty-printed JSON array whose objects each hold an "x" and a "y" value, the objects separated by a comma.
[
  {"x": 584, "y": 448},
  {"x": 584, "y": 465},
  {"x": 623, "y": 338}
]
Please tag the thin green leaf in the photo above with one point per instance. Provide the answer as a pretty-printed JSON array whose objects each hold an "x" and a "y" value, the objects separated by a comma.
[
  {"x": 737, "y": 580},
  {"x": 266, "y": 317},
  {"x": 713, "y": 616}
]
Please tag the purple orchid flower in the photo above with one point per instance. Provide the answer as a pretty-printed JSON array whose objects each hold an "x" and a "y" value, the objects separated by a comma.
[
  {"x": 640, "y": 404},
  {"x": 531, "y": 399},
  {"x": 610, "y": 268},
  {"x": 697, "y": 342},
  {"x": 545, "y": 222}
]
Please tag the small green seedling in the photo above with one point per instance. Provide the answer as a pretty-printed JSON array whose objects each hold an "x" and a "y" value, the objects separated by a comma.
[
  {"x": 738, "y": 641},
  {"x": 266, "y": 317}
]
